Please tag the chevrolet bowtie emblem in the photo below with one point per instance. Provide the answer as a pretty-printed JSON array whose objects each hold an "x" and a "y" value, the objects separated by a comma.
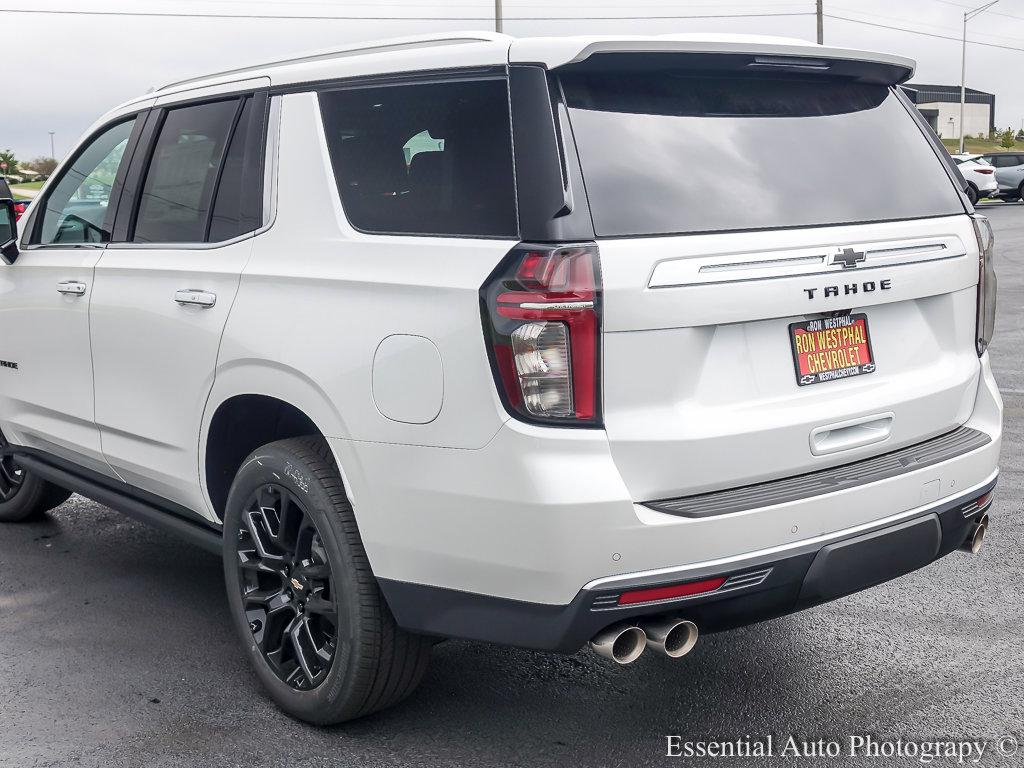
[{"x": 849, "y": 258}]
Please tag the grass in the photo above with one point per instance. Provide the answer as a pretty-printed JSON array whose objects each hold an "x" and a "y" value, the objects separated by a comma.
[
  {"x": 980, "y": 146},
  {"x": 18, "y": 190}
]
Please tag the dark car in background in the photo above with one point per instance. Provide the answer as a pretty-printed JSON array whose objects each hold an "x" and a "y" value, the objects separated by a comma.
[{"x": 5, "y": 192}]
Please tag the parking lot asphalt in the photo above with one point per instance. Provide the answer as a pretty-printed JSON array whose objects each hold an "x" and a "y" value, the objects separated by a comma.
[{"x": 116, "y": 650}]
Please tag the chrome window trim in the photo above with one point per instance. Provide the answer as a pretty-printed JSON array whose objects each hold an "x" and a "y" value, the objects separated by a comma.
[{"x": 801, "y": 262}]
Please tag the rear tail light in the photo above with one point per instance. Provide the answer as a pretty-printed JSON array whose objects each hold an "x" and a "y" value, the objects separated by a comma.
[
  {"x": 986, "y": 282},
  {"x": 984, "y": 170},
  {"x": 19, "y": 210},
  {"x": 542, "y": 322}
]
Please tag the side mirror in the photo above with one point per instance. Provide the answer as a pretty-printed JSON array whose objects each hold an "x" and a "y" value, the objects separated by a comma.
[{"x": 8, "y": 231}]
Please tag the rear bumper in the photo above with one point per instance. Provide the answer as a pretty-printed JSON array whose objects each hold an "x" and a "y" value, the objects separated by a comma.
[
  {"x": 538, "y": 514},
  {"x": 757, "y": 587}
]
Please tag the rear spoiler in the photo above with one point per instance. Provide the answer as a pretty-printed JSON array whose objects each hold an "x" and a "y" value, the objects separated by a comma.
[{"x": 755, "y": 54}]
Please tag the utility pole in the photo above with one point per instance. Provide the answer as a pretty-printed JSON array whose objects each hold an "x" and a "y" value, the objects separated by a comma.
[
  {"x": 51, "y": 146},
  {"x": 821, "y": 21},
  {"x": 497, "y": 16},
  {"x": 963, "y": 66}
]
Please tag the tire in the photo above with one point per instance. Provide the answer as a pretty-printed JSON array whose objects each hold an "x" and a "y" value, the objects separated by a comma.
[
  {"x": 291, "y": 544},
  {"x": 23, "y": 496},
  {"x": 972, "y": 194}
]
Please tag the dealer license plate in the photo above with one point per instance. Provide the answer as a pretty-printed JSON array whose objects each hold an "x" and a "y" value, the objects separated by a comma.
[{"x": 831, "y": 348}]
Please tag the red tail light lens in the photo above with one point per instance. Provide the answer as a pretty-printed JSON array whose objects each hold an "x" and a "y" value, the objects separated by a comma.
[
  {"x": 542, "y": 321},
  {"x": 19, "y": 210},
  {"x": 984, "y": 170}
]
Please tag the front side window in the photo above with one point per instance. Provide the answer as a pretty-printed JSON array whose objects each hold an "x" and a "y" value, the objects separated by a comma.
[
  {"x": 430, "y": 158},
  {"x": 181, "y": 180},
  {"x": 76, "y": 208}
]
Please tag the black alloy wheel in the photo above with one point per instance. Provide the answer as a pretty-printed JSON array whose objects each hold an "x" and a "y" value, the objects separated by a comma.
[
  {"x": 12, "y": 477},
  {"x": 287, "y": 587},
  {"x": 304, "y": 600}
]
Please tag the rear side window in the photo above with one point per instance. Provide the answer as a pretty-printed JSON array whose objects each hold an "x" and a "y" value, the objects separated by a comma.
[
  {"x": 667, "y": 152},
  {"x": 427, "y": 159},
  {"x": 181, "y": 179},
  {"x": 1006, "y": 161},
  {"x": 237, "y": 208}
]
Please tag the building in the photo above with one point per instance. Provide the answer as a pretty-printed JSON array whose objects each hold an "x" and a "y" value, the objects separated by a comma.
[{"x": 940, "y": 105}]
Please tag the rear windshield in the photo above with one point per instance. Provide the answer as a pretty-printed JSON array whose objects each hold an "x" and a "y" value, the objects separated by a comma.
[{"x": 666, "y": 152}]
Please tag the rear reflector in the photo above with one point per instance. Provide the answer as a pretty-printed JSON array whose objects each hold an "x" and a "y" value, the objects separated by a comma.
[
  {"x": 984, "y": 170},
  {"x": 972, "y": 507},
  {"x": 671, "y": 592}
]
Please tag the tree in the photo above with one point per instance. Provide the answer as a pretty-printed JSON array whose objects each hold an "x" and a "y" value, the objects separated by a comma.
[
  {"x": 1007, "y": 140},
  {"x": 1020, "y": 135},
  {"x": 12, "y": 162},
  {"x": 42, "y": 165}
]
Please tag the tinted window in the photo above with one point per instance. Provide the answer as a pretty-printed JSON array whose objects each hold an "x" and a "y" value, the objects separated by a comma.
[
  {"x": 1005, "y": 161},
  {"x": 424, "y": 159},
  {"x": 673, "y": 152},
  {"x": 182, "y": 174},
  {"x": 236, "y": 209},
  {"x": 8, "y": 229},
  {"x": 76, "y": 207}
]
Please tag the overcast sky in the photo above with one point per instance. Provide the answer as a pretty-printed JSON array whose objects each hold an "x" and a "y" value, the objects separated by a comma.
[{"x": 72, "y": 66}]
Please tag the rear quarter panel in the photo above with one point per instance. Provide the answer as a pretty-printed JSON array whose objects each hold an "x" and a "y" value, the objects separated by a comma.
[{"x": 318, "y": 298}]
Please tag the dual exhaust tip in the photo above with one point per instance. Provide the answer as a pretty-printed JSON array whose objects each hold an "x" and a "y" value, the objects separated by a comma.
[
  {"x": 976, "y": 537},
  {"x": 625, "y": 643}
]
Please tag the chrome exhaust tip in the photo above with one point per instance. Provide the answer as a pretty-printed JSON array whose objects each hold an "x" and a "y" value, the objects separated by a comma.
[
  {"x": 976, "y": 538},
  {"x": 622, "y": 643},
  {"x": 671, "y": 636}
]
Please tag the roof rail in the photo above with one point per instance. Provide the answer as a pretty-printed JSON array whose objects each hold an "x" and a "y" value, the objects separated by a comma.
[{"x": 375, "y": 46}]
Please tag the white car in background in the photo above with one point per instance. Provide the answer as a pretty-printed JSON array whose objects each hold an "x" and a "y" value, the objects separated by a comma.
[{"x": 980, "y": 176}]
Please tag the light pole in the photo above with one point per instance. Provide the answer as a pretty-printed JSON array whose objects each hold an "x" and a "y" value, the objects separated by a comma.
[
  {"x": 963, "y": 66},
  {"x": 497, "y": 16},
  {"x": 51, "y": 146}
]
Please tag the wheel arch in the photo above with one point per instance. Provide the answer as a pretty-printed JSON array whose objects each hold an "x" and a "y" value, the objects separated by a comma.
[{"x": 252, "y": 404}]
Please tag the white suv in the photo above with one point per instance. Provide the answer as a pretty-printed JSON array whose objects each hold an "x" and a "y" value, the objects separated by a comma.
[{"x": 454, "y": 337}]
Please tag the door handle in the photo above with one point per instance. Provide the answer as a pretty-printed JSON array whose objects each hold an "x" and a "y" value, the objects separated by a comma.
[
  {"x": 71, "y": 288},
  {"x": 855, "y": 433},
  {"x": 190, "y": 298}
]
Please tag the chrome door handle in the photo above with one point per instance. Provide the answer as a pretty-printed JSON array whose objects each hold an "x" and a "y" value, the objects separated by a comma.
[
  {"x": 71, "y": 288},
  {"x": 188, "y": 298}
]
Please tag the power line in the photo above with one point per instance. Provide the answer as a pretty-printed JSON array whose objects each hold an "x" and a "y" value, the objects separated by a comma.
[
  {"x": 933, "y": 26},
  {"x": 918, "y": 32},
  {"x": 313, "y": 17},
  {"x": 987, "y": 13}
]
